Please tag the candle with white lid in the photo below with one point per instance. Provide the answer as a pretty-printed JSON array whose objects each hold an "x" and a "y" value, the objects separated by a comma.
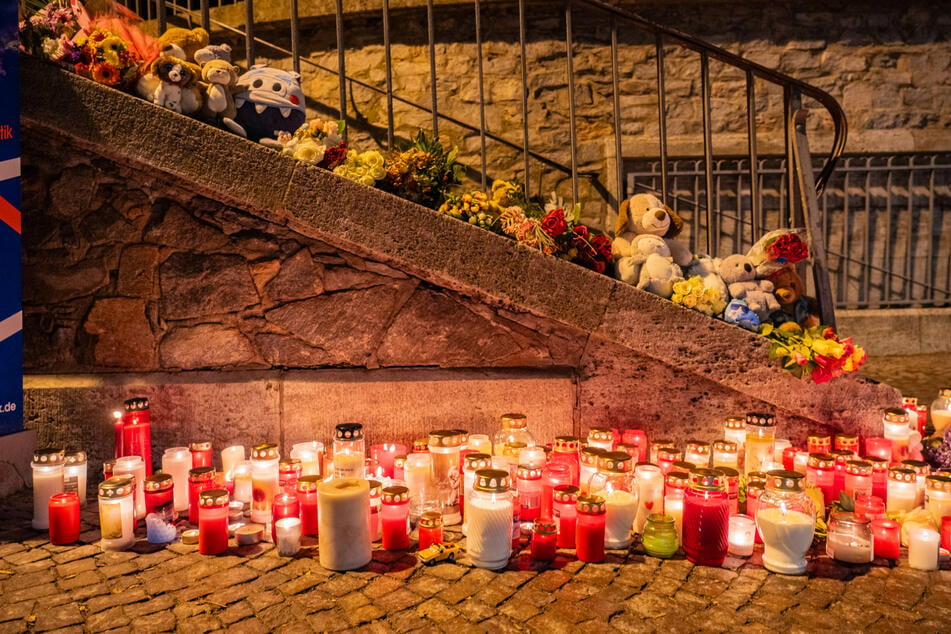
[
  {"x": 178, "y": 461},
  {"x": 47, "y": 469},
  {"x": 344, "y": 523}
]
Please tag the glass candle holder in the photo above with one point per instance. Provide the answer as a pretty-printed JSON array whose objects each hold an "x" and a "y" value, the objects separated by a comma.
[
  {"x": 895, "y": 428},
  {"x": 565, "y": 514},
  {"x": 395, "y": 516},
  {"x": 107, "y": 468},
  {"x": 657, "y": 445},
  {"x": 754, "y": 490},
  {"x": 698, "y": 452},
  {"x": 116, "y": 513},
  {"x": 137, "y": 432},
  {"x": 417, "y": 473},
  {"x": 616, "y": 484},
  {"x": 820, "y": 472},
  {"x": 660, "y": 536},
  {"x": 849, "y": 539},
  {"x": 533, "y": 456},
  {"x": 201, "y": 454},
  {"x": 779, "y": 446},
  {"x": 48, "y": 469},
  {"x": 160, "y": 495},
  {"x": 399, "y": 468},
  {"x": 858, "y": 478},
  {"x": 430, "y": 529},
  {"x": 789, "y": 458},
  {"x": 213, "y": 521},
  {"x": 886, "y": 538},
  {"x": 760, "y": 437},
  {"x": 786, "y": 519},
  {"x": 265, "y": 479},
  {"x": 682, "y": 466},
  {"x": 307, "y": 496},
  {"x": 922, "y": 471},
  {"x": 732, "y": 479},
  {"x": 200, "y": 479},
  {"x": 289, "y": 470},
  {"x": 674, "y": 489},
  {"x": 941, "y": 411},
  {"x": 74, "y": 475},
  {"x": 879, "y": 476},
  {"x": 385, "y": 454},
  {"x": 376, "y": 508},
  {"x": 819, "y": 443},
  {"x": 489, "y": 541},
  {"x": 529, "y": 486},
  {"x": 444, "y": 450},
  {"x": 801, "y": 462},
  {"x": 869, "y": 506},
  {"x": 650, "y": 493},
  {"x": 479, "y": 443},
  {"x": 630, "y": 450},
  {"x": 902, "y": 490},
  {"x": 544, "y": 539},
  {"x": 135, "y": 467},
  {"x": 349, "y": 451},
  {"x": 473, "y": 462},
  {"x": 243, "y": 482},
  {"x": 565, "y": 451},
  {"x": 230, "y": 457},
  {"x": 63, "y": 515},
  {"x": 311, "y": 456},
  {"x": 923, "y": 546},
  {"x": 555, "y": 474},
  {"x": 589, "y": 530},
  {"x": 666, "y": 458},
  {"x": 601, "y": 437},
  {"x": 639, "y": 438},
  {"x": 841, "y": 459},
  {"x": 938, "y": 497},
  {"x": 421, "y": 445},
  {"x": 588, "y": 466},
  {"x": 177, "y": 461},
  {"x": 514, "y": 429},
  {"x": 734, "y": 428},
  {"x": 344, "y": 524},
  {"x": 287, "y": 534},
  {"x": 742, "y": 535},
  {"x": 283, "y": 505},
  {"x": 707, "y": 518},
  {"x": 725, "y": 454},
  {"x": 847, "y": 442},
  {"x": 878, "y": 447}
]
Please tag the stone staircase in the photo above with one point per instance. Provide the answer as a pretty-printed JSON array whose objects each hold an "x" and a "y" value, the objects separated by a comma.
[{"x": 255, "y": 298}]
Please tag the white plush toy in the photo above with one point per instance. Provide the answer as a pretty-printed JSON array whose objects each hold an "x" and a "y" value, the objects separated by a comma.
[
  {"x": 629, "y": 266},
  {"x": 658, "y": 275},
  {"x": 739, "y": 274}
]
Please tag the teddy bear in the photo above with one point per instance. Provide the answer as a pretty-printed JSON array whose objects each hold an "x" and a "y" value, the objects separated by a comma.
[
  {"x": 646, "y": 214},
  {"x": 705, "y": 268},
  {"x": 213, "y": 51},
  {"x": 794, "y": 306},
  {"x": 629, "y": 266},
  {"x": 172, "y": 83},
  {"x": 182, "y": 43},
  {"x": 739, "y": 274},
  {"x": 658, "y": 275},
  {"x": 220, "y": 78}
]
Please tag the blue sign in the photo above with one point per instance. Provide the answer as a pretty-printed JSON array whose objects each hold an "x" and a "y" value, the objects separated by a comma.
[{"x": 11, "y": 298}]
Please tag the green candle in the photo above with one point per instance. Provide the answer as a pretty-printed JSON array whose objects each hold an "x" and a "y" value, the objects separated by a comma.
[{"x": 660, "y": 536}]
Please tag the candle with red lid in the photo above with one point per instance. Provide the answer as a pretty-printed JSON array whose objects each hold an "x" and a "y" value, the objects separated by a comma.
[
  {"x": 307, "y": 496},
  {"x": 430, "y": 529},
  {"x": 213, "y": 521},
  {"x": 137, "y": 431},
  {"x": 160, "y": 494},
  {"x": 395, "y": 515},
  {"x": 284, "y": 505},
  {"x": 544, "y": 539},
  {"x": 64, "y": 518},
  {"x": 565, "y": 514},
  {"x": 199, "y": 479},
  {"x": 385, "y": 454},
  {"x": 589, "y": 531},
  {"x": 639, "y": 438},
  {"x": 706, "y": 518}
]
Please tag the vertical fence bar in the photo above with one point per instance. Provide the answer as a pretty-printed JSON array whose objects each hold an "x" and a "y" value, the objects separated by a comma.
[
  {"x": 431, "y": 31},
  {"x": 707, "y": 147},
  {"x": 524, "y": 64},
  {"x": 295, "y": 37},
  {"x": 481, "y": 75},
  {"x": 160, "y": 15},
  {"x": 389, "y": 74},
  {"x": 844, "y": 272},
  {"x": 205, "y": 15},
  {"x": 249, "y": 31},
  {"x": 661, "y": 112},
  {"x": 572, "y": 128},
  {"x": 341, "y": 66},
  {"x": 616, "y": 94},
  {"x": 756, "y": 208},
  {"x": 788, "y": 108},
  {"x": 908, "y": 293},
  {"x": 865, "y": 292},
  {"x": 932, "y": 261}
]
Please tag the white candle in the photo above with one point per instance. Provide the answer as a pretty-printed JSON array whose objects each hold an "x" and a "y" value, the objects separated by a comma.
[
  {"x": 849, "y": 548},
  {"x": 650, "y": 493},
  {"x": 116, "y": 513},
  {"x": 47, "y": 481},
  {"x": 742, "y": 530},
  {"x": 416, "y": 473},
  {"x": 778, "y": 446},
  {"x": 135, "y": 467},
  {"x": 349, "y": 465},
  {"x": 311, "y": 456},
  {"x": 923, "y": 545},
  {"x": 620, "y": 512},
  {"x": 787, "y": 535},
  {"x": 533, "y": 456},
  {"x": 243, "y": 485},
  {"x": 902, "y": 491},
  {"x": 288, "y": 532},
  {"x": 343, "y": 523},
  {"x": 489, "y": 541},
  {"x": 675, "y": 508},
  {"x": 177, "y": 461},
  {"x": 480, "y": 443},
  {"x": 801, "y": 461},
  {"x": 231, "y": 456},
  {"x": 74, "y": 475}
]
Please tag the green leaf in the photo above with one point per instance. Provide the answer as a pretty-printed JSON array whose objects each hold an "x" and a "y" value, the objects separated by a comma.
[{"x": 846, "y": 502}]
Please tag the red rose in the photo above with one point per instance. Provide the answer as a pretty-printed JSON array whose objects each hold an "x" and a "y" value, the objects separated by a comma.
[
  {"x": 554, "y": 223},
  {"x": 334, "y": 156},
  {"x": 603, "y": 245},
  {"x": 787, "y": 249}
]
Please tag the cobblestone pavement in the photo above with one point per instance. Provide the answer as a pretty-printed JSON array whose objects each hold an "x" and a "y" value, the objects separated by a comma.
[{"x": 252, "y": 589}]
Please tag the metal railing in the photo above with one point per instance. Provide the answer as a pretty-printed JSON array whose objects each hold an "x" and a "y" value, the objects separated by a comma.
[{"x": 584, "y": 24}]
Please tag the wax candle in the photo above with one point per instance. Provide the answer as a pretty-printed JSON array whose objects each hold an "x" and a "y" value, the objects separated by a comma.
[
  {"x": 923, "y": 545},
  {"x": 601, "y": 437},
  {"x": 614, "y": 482},
  {"x": 741, "y": 536},
  {"x": 675, "y": 486},
  {"x": 886, "y": 538},
  {"x": 849, "y": 539},
  {"x": 311, "y": 456},
  {"x": 725, "y": 454},
  {"x": 74, "y": 475},
  {"x": 107, "y": 466},
  {"x": 47, "y": 469},
  {"x": 307, "y": 496},
  {"x": 529, "y": 487},
  {"x": 801, "y": 461},
  {"x": 116, "y": 513},
  {"x": 666, "y": 458},
  {"x": 385, "y": 454},
  {"x": 489, "y": 542},
  {"x": 941, "y": 411},
  {"x": 177, "y": 461},
  {"x": 63, "y": 510},
  {"x": 200, "y": 479},
  {"x": 349, "y": 451},
  {"x": 514, "y": 429},
  {"x": 565, "y": 451},
  {"x": 159, "y": 491},
  {"x": 734, "y": 428},
  {"x": 133, "y": 466},
  {"x": 878, "y": 447},
  {"x": 706, "y": 518},
  {"x": 754, "y": 490},
  {"x": 395, "y": 515},
  {"x": 657, "y": 446},
  {"x": 117, "y": 428},
  {"x": 588, "y": 466},
  {"x": 556, "y": 473},
  {"x": 445, "y": 447},
  {"x": 265, "y": 459},
  {"x": 287, "y": 531},
  {"x": 533, "y": 456},
  {"x": 544, "y": 540},
  {"x": 779, "y": 446},
  {"x": 938, "y": 497},
  {"x": 895, "y": 426},
  {"x": 473, "y": 462},
  {"x": 760, "y": 440},
  {"x": 399, "y": 466},
  {"x": 786, "y": 519},
  {"x": 511, "y": 451},
  {"x": 201, "y": 453},
  {"x": 344, "y": 523},
  {"x": 819, "y": 443},
  {"x": 650, "y": 493},
  {"x": 137, "y": 432},
  {"x": 230, "y": 458},
  {"x": 879, "y": 476},
  {"x": 732, "y": 479},
  {"x": 283, "y": 505},
  {"x": 660, "y": 536},
  {"x": 698, "y": 453},
  {"x": 922, "y": 471},
  {"x": 288, "y": 471},
  {"x": 212, "y": 521},
  {"x": 847, "y": 442},
  {"x": 589, "y": 531},
  {"x": 902, "y": 491},
  {"x": 869, "y": 506},
  {"x": 480, "y": 443},
  {"x": 430, "y": 529},
  {"x": 858, "y": 478},
  {"x": 789, "y": 458},
  {"x": 243, "y": 482},
  {"x": 639, "y": 438},
  {"x": 417, "y": 474},
  {"x": 820, "y": 472},
  {"x": 376, "y": 506},
  {"x": 630, "y": 450},
  {"x": 565, "y": 514}
]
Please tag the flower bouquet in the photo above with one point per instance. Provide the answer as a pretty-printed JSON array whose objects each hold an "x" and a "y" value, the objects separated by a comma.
[
  {"x": 776, "y": 249},
  {"x": 104, "y": 57},
  {"x": 422, "y": 172},
  {"x": 814, "y": 353},
  {"x": 365, "y": 168},
  {"x": 317, "y": 142},
  {"x": 48, "y": 32},
  {"x": 692, "y": 293}
]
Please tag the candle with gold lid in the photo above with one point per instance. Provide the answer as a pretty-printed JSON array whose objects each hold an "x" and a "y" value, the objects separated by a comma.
[
  {"x": 786, "y": 519},
  {"x": 201, "y": 454},
  {"x": 344, "y": 523},
  {"x": 725, "y": 454},
  {"x": 847, "y": 442},
  {"x": 48, "y": 468},
  {"x": 820, "y": 472},
  {"x": 160, "y": 495},
  {"x": 657, "y": 446},
  {"x": 879, "y": 476},
  {"x": 430, "y": 529},
  {"x": 760, "y": 437},
  {"x": 307, "y": 495},
  {"x": 698, "y": 453},
  {"x": 895, "y": 428},
  {"x": 565, "y": 451},
  {"x": 858, "y": 478},
  {"x": 734, "y": 428},
  {"x": 922, "y": 470},
  {"x": 445, "y": 448},
  {"x": 639, "y": 438},
  {"x": 601, "y": 437},
  {"x": 213, "y": 521},
  {"x": 589, "y": 530},
  {"x": 514, "y": 428},
  {"x": 840, "y": 458},
  {"x": 589, "y": 466},
  {"x": 666, "y": 457},
  {"x": 902, "y": 490},
  {"x": 732, "y": 479},
  {"x": 615, "y": 482},
  {"x": 489, "y": 541},
  {"x": 564, "y": 512},
  {"x": 264, "y": 480},
  {"x": 675, "y": 486},
  {"x": 938, "y": 497},
  {"x": 682, "y": 466},
  {"x": 395, "y": 515},
  {"x": 706, "y": 518},
  {"x": 116, "y": 513},
  {"x": 288, "y": 472},
  {"x": 819, "y": 443}
]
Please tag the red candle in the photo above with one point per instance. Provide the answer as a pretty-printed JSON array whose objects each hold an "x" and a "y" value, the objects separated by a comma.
[
  {"x": 385, "y": 455},
  {"x": 666, "y": 458},
  {"x": 201, "y": 454},
  {"x": 544, "y": 539},
  {"x": 213, "y": 522},
  {"x": 200, "y": 479},
  {"x": 636, "y": 437},
  {"x": 847, "y": 442},
  {"x": 64, "y": 518},
  {"x": 869, "y": 507},
  {"x": 376, "y": 505},
  {"x": 399, "y": 462},
  {"x": 789, "y": 458},
  {"x": 565, "y": 513},
  {"x": 395, "y": 516},
  {"x": 530, "y": 492},
  {"x": 288, "y": 472},
  {"x": 118, "y": 432},
  {"x": 565, "y": 451},
  {"x": 706, "y": 524},
  {"x": 160, "y": 494},
  {"x": 430, "y": 529},
  {"x": 823, "y": 444},
  {"x": 284, "y": 505},
  {"x": 886, "y": 536},
  {"x": 878, "y": 447},
  {"x": 732, "y": 478},
  {"x": 820, "y": 472},
  {"x": 555, "y": 474},
  {"x": 753, "y": 491},
  {"x": 307, "y": 496},
  {"x": 842, "y": 458},
  {"x": 879, "y": 476},
  {"x": 946, "y": 532},
  {"x": 589, "y": 531},
  {"x": 137, "y": 431}
]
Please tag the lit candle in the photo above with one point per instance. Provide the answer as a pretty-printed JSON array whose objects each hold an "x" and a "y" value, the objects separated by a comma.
[
  {"x": 212, "y": 521},
  {"x": 923, "y": 546},
  {"x": 789, "y": 458},
  {"x": 725, "y": 454},
  {"x": 734, "y": 428},
  {"x": 938, "y": 497},
  {"x": 565, "y": 513},
  {"x": 307, "y": 496},
  {"x": 849, "y": 539},
  {"x": 650, "y": 493},
  {"x": 588, "y": 466},
  {"x": 385, "y": 454},
  {"x": 676, "y": 485},
  {"x": 287, "y": 531},
  {"x": 417, "y": 474},
  {"x": 201, "y": 454},
  {"x": 349, "y": 451},
  {"x": 177, "y": 461},
  {"x": 601, "y": 437},
  {"x": 288, "y": 472},
  {"x": 445, "y": 447},
  {"x": 200, "y": 479},
  {"x": 311, "y": 456},
  {"x": 886, "y": 538},
  {"x": 283, "y": 505},
  {"x": 116, "y": 513},
  {"x": 819, "y": 443},
  {"x": 473, "y": 462},
  {"x": 514, "y": 428},
  {"x": 117, "y": 428},
  {"x": 847, "y": 442},
  {"x": 395, "y": 515},
  {"x": 160, "y": 494},
  {"x": 858, "y": 478},
  {"x": 399, "y": 466},
  {"x": 529, "y": 487},
  {"x": 820, "y": 472},
  {"x": 135, "y": 467},
  {"x": 801, "y": 461},
  {"x": 753, "y": 492},
  {"x": 922, "y": 471},
  {"x": 265, "y": 479},
  {"x": 230, "y": 457},
  {"x": 430, "y": 529},
  {"x": 878, "y": 447},
  {"x": 376, "y": 506},
  {"x": 659, "y": 445},
  {"x": 74, "y": 475},
  {"x": 137, "y": 432},
  {"x": 480, "y": 443},
  {"x": 706, "y": 518},
  {"x": 556, "y": 473},
  {"x": 64, "y": 518},
  {"x": 489, "y": 542},
  {"x": 47, "y": 469},
  {"x": 732, "y": 480},
  {"x": 615, "y": 483},
  {"x": 698, "y": 453},
  {"x": 660, "y": 536},
  {"x": 639, "y": 438},
  {"x": 879, "y": 476},
  {"x": 902, "y": 490},
  {"x": 742, "y": 530},
  {"x": 941, "y": 411},
  {"x": 630, "y": 450},
  {"x": 243, "y": 481},
  {"x": 544, "y": 540},
  {"x": 344, "y": 523},
  {"x": 895, "y": 426},
  {"x": 786, "y": 519},
  {"x": 869, "y": 506},
  {"x": 779, "y": 446},
  {"x": 565, "y": 451},
  {"x": 760, "y": 440},
  {"x": 666, "y": 459},
  {"x": 589, "y": 531}
]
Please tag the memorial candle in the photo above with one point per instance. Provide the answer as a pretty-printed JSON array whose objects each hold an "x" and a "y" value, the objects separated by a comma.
[
  {"x": 847, "y": 442},
  {"x": 589, "y": 531},
  {"x": 923, "y": 546},
  {"x": 177, "y": 461},
  {"x": 734, "y": 428},
  {"x": 922, "y": 471},
  {"x": 344, "y": 524},
  {"x": 707, "y": 517},
  {"x": 886, "y": 538},
  {"x": 473, "y": 462},
  {"x": 666, "y": 458},
  {"x": 137, "y": 432},
  {"x": 878, "y": 447},
  {"x": 160, "y": 494},
  {"x": 74, "y": 475},
  {"x": 682, "y": 466},
  {"x": 283, "y": 505},
  {"x": 742, "y": 535},
  {"x": 385, "y": 454},
  {"x": 660, "y": 536},
  {"x": 801, "y": 462},
  {"x": 838, "y": 468},
  {"x": 201, "y": 454},
  {"x": 760, "y": 440},
  {"x": 445, "y": 447},
  {"x": 533, "y": 456},
  {"x": 116, "y": 513},
  {"x": 134, "y": 466},
  {"x": 311, "y": 456},
  {"x": 789, "y": 458},
  {"x": 230, "y": 458},
  {"x": 480, "y": 443},
  {"x": 47, "y": 467},
  {"x": 529, "y": 487},
  {"x": 732, "y": 479},
  {"x": 869, "y": 506},
  {"x": 565, "y": 514},
  {"x": 879, "y": 476},
  {"x": 630, "y": 450},
  {"x": 725, "y": 454},
  {"x": 430, "y": 529},
  {"x": 786, "y": 519},
  {"x": 850, "y": 539},
  {"x": 938, "y": 497},
  {"x": 601, "y": 437},
  {"x": 200, "y": 479},
  {"x": 376, "y": 505},
  {"x": 514, "y": 429},
  {"x": 395, "y": 515},
  {"x": 64, "y": 518},
  {"x": 399, "y": 468},
  {"x": 555, "y": 474},
  {"x": 650, "y": 493},
  {"x": 417, "y": 474},
  {"x": 639, "y": 438},
  {"x": 489, "y": 541},
  {"x": 895, "y": 427},
  {"x": 698, "y": 453},
  {"x": 588, "y": 466},
  {"x": 858, "y": 478},
  {"x": 902, "y": 491},
  {"x": 544, "y": 539},
  {"x": 779, "y": 446},
  {"x": 615, "y": 483},
  {"x": 565, "y": 451},
  {"x": 213, "y": 521},
  {"x": 287, "y": 533},
  {"x": 675, "y": 486},
  {"x": 820, "y": 472},
  {"x": 349, "y": 451},
  {"x": 264, "y": 480},
  {"x": 288, "y": 472},
  {"x": 243, "y": 482},
  {"x": 753, "y": 492},
  {"x": 307, "y": 496},
  {"x": 657, "y": 446}
]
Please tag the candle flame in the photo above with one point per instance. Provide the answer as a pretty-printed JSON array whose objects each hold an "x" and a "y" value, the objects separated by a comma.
[{"x": 117, "y": 414}]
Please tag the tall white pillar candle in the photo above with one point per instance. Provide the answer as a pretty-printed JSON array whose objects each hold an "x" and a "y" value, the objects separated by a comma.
[
  {"x": 47, "y": 481},
  {"x": 177, "y": 461},
  {"x": 343, "y": 523}
]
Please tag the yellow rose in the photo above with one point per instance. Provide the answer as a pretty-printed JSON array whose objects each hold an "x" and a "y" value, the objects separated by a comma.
[
  {"x": 828, "y": 348},
  {"x": 310, "y": 152}
]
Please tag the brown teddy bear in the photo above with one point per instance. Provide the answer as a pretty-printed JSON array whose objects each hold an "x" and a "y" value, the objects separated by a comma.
[
  {"x": 794, "y": 306},
  {"x": 220, "y": 78}
]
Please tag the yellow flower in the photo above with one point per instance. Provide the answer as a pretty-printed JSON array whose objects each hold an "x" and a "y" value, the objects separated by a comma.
[
  {"x": 309, "y": 151},
  {"x": 828, "y": 348}
]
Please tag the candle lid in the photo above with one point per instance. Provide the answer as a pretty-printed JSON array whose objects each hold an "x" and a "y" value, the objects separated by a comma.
[
  {"x": 213, "y": 497},
  {"x": 476, "y": 461},
  {"x": 590, "y": 455},
  {"x": 376, "y": 488},
  {"x": 895, "y": 415},
  {"x": 421, "y": 445},
  {"x": 938, "y": 483},
  {"x": 760, "y": 419},
  {"x": 514, "y": 421},
  {"x": 728, "y": 472},
  {"x": 918, "y": 466},
  {"x": 632, "y": 450},
  {"x": 512, "y": 449},
  {"x": 190, "y": 536},
  {"x": 201, "y": 474},
  {"x": 909, "y": 400},
  {"x": 567, "y": 444},
  {"x": 900, "y": 474},
  {"x": 200, "y": 446},
  {"x": 447, "y": 438},
  {"x": 248, "y": 534},
  {"x": 878, "y": 464},
  {"x": 755, "y": 488},
  {"x": 615, "y": 462},
  {"x": 265, "y": 451},
  {"x": 76, "y": 458},
  {"x": 116, "y": 486},
  {"x": 566, "y": 494},
  {"x": 308, "y": 483},
  {"x": 529, "y": 472},
  {"x": 348, "y": 431},
  {"x": 841, "y": 456},
  {"x": 846, "y": 439},
  {"x": 590, "y": 504},
  {"x": 395, "y": 495},
  {"x": 660, "y": 518},
  {"x": 399, "y": 461},
  {"x": 49, "y": 456},
  {"x": 728, "y": 446},
  {"x": 698, "y": 446},
  {"x": 683, "y": 466},
  {"x": 819, "y": 439},
  {"x": 676, "y": 479},
  {"x": 858, "y": 467},
  {"x": 430, "y": 519},
  {"x": 600, "y": 434},
  {"x": 159, "y": 482},
  {"x": 849, "y": 518},
  {"x": 821, "y": 461},
  {"x": 668, "y": 454},
  {"x": 544, "y": 526},
  {"x": 945, "y": 392},
  {"x": 136, "y": 404},
  {"x": 492, "y": 481},
  {"x": 289, "y": 464},
  {"x": 67, "y": 497},
  {"x": 735, "y": 423},
  {"x": 706, "y": 480},
  {"x": 782, "y": 480}
]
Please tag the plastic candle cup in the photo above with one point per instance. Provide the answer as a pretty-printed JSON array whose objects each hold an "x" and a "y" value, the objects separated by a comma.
[
  {"x": 445, "y": 448},
  {"x": 510, "y": 453},
  {"x": 376, "y": 505},
  {"x": 820, "y": 472},
  {"x": 137, "y": 432},
  {"x": 902, "y": 490},
  {"x": 533, "y": 456},
  {"x": 650, "y": 493},
  {"x": 858, "y": 478},
  {"x": 243, "y": 482},
  {"x": 64, "y": 518},
  {"x": 941, "y": 411},
  {"x": 760, "y": 440},
  {"x": 847, "y": 442},
  {"x": 656, "y": 446},
  {"x": 349, "y": 451},
  {"x": 706, "y": 518},
  {"x": 230, "y": 457},
  {"x": 395, "y": 515},
  {"x": 264, "y": 481},
  {"x": 200, "y": 479},
  {"x": 201, "y": 454},
  {"x": 287, "y": 534},
  {"x": 385, "y": 454},
  {"x": 922, "y": 471},
  {"x": 698, "y": 453},
  {"x": 819, "y": 443},
  {"x": 514, "y": 429},
  {"x": 311, "y": 456},
  {"x": 480, "y": 443},
  {"x": 938, "y": 497},
  {"x": 734, "y": 428},
  {"x": 630, "y": 450},
  {"x": 869, "y": 506},
  {"x": 565, "y": 451},
  {"x": 675, "y": 486},
  {"x": 556, "y": 473},
  {"x": 74, "y": 475},
  {"x": 116, "y": 513},
  {"x": 307, "y": 496},
  {"x": 601, "y": 437},
  {"x": 886, "y": 537},
  {"x": 589, "y": 533},
  {"x": 473, "y": 462},
  {"x": 344, "y": 523},
  {"x": 666, "y": 458},
  {"x": 923, "y": 546},
  {"x": 615, "y": 483},
  {"x": 840, "y": 460},
  {"x": 135, "y": 467},
  {"x": 732, "y": 479},
  {"x": 895, "y": 428},
  {"x": 489, "y": 541},
  {"x": 544, "y": 539},
  {"x": 529, "y": 486},
  {"x": 47, "y": 467},
  {"x": 849, "y": 539},
  {"x": 178, "y": 461},
  {"x": 754, "y": 490},
  {"x": 417, "y": 475},
  {"x": 742, "y": 535},
  {"x": 639, "y": 438},
  {"x": 283, "y": 505},
  {"x": 288, "y": 471},
  {"x": 801, "y": 461},
  {"x": 565, "y": 514},
  {"x": 213, "y": 521},
  {"x": 160, "y": 494},
  {"x": 789, "y": 457},
  {"x": 779, "y": 446},
  {"x": 588, "y": 466},
  {"x": 878, "y": 447},
  {"x": 430, "y": 529},
  {"x": 879, "y": 476},
  {"x": 660, "y": 536},
  {"x": 725, "y": 454},
  {"x": 946, "y": 532},
  {"x": 786, "y": 519}
]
